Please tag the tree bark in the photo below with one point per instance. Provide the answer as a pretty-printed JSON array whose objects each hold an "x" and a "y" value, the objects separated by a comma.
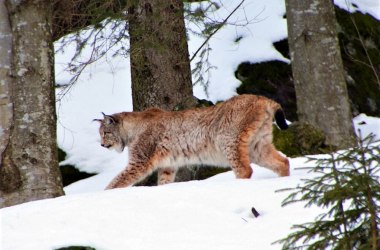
[
  {"x": 160, "y": 67},
  {"x": 6, "y": 106},
  {"x": 29, "y": 167},
  {"x": 319, "y": 81}
]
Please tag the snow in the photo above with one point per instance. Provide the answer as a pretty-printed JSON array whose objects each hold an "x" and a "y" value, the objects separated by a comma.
[
  {"x": 371, "y": 7},
  {"x": 365, "y": 125},
  {"x": 210, "y": 214},
  {"x": 255, "y": 44}
]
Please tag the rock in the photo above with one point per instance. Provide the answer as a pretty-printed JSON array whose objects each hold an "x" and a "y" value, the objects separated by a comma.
[
  {"x": 273, "y": 79},
  {"x": 70, "y": 173},
  {"x": 299, "y": 139}
]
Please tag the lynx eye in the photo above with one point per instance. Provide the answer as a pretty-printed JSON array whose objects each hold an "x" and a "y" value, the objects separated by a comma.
[{"x": 103, "y": 133}]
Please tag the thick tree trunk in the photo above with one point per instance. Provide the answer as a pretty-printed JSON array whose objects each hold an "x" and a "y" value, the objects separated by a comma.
[
  {"x": 29, "y": 167},
  {"x": 319, "y": 81},
  {"x": 160, "y": 68}
]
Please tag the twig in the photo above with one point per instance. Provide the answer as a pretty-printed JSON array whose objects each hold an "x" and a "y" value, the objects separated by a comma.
[
  {"x": 216, "y": 30},
  {"x": 364, "y": 47}
]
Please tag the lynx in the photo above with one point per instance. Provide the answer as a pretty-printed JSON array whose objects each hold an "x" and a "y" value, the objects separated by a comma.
[{"x": 233, "y": 133}]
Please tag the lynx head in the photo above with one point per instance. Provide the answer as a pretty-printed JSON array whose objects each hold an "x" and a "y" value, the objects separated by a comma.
[{"x": 110, "y": 133}]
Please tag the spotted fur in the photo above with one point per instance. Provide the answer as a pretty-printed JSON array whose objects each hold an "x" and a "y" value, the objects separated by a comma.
[{"x": 233, "y": 133}]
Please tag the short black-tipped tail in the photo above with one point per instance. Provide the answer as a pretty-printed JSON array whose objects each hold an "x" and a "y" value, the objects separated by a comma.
[{"x": 279, "y": 116}]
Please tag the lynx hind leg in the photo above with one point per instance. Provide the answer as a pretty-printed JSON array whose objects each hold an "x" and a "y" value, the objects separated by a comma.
[
  {"x": 266, "y": 155},
  {"x": 238, "y": 156},
  {"x": 166, "y": 175}
]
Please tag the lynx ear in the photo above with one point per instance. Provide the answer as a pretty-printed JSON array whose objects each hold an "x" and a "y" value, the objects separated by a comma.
[
  {"x": 97, "y": 120},
  {"x": 109, "y": 119}
]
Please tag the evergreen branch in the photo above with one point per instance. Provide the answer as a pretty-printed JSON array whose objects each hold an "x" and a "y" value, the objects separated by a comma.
[
  {"x": 371, "y": 203},
  {"x": 350, "y": 191},
  {"x": 340, "y": 203}
]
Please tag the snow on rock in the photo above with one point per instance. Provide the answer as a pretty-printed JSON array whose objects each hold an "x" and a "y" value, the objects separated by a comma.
[
  {"x": 367, "y": 125},
  {"x": 371, "y": 7},
  {"x": 255, "y": 45}
]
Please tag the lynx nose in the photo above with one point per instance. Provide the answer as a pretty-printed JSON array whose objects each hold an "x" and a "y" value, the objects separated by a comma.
[{"x": 105, "y": 146}]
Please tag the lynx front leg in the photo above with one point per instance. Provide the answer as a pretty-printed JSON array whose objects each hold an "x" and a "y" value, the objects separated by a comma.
[
  {"x": 144, "y": 157},
  {"x": 166, "y": 175},
  {"x": 130, "y": 175}
]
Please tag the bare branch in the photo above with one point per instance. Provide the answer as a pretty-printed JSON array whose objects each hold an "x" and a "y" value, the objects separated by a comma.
[{"x": 216, "y": 30}]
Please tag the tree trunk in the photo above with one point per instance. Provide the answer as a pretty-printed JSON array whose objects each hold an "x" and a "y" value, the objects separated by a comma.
[
  {"x": 6, "y": 111},
  {"x": 160, "y": 67},
  {"x": 29, "y": 164},
  {"x": 319, "y": 81}
]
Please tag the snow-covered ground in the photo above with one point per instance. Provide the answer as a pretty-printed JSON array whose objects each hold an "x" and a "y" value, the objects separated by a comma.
[{"x": 210, "y": 214}]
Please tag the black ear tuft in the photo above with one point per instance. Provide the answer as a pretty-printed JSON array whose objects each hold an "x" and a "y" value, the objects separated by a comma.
[{"x": 109, "y": 119}]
